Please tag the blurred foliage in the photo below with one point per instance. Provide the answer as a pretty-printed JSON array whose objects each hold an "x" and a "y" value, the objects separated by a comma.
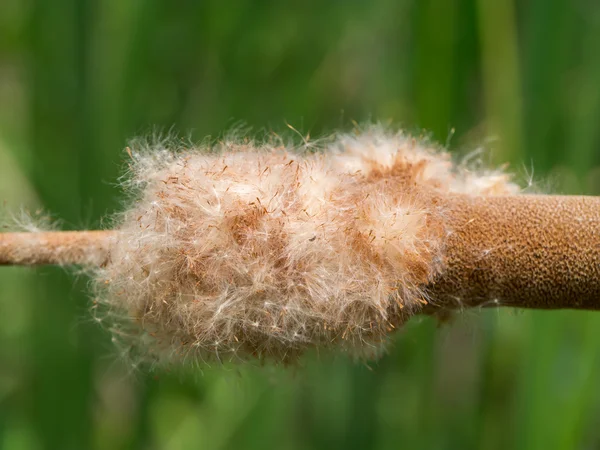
[{"x": 80, "y": 77}]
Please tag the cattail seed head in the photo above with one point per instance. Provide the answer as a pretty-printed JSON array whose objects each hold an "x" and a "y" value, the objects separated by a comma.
[{"x": 244, "y": 250}]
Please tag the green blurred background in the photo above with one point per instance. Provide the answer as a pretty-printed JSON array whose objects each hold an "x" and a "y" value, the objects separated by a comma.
[{"x": 80, "y": 77}]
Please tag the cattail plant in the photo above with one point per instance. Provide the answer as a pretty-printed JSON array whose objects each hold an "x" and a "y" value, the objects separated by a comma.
[{"x": 245, "y": 251}]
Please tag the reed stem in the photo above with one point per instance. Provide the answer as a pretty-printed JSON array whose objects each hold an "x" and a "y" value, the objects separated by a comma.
[
  {"x": 55, "y": 247},
  {"x": 528, "y": 251}
]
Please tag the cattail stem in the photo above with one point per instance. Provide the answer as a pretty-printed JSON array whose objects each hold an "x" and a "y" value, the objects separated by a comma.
[
  {"x": 59, "y": 248},
  {"x": 525, "y": 251}
]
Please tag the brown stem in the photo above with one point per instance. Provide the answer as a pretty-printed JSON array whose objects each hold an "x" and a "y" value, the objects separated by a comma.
[
  {"x": 60, "y": 248},
  {"x": 527, "y": 251}
]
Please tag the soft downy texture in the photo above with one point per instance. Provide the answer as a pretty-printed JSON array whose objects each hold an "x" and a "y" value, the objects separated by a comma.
[{"x": 240, "y": 250}]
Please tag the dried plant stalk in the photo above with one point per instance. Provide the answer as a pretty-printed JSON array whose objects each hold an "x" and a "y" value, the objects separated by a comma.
[
  {"x": 526, "y": 251},
  {"x": 57, "y": 248}
]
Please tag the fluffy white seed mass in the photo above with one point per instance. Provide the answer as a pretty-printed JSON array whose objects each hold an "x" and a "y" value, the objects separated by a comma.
[{"x": 242, "y": 250}]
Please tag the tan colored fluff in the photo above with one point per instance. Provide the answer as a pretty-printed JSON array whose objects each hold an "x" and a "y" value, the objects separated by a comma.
[{"x": 241, "y": 251}]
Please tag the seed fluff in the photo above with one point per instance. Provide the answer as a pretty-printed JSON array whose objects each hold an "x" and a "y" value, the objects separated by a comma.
[{"x": 258, "y": 251}]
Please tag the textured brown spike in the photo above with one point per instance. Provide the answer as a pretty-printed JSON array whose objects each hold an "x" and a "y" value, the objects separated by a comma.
[{"x": 528, "y": 251}]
